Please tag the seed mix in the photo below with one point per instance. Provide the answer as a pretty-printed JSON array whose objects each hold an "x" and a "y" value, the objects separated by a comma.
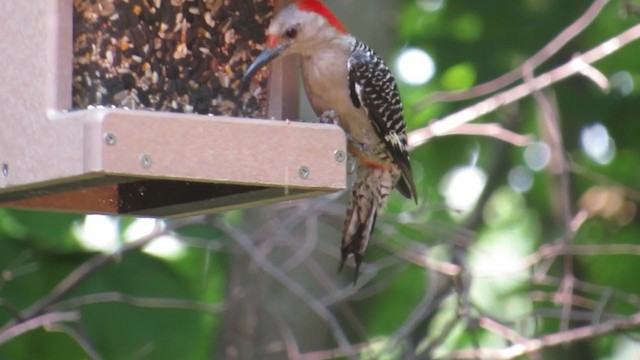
[{"x": 184, "y": 56}]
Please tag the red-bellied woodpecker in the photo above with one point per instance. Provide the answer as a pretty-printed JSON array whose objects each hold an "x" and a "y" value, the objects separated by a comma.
[{"x": 348, "y": 83}]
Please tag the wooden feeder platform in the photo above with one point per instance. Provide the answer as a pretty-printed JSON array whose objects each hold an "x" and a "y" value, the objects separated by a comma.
[{"x": 144, "y": 163}]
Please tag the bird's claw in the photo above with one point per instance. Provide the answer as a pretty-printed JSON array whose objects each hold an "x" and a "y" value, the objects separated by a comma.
[
  {"x": 329, "y": 117},
  {"x": 358, "y": 260}
]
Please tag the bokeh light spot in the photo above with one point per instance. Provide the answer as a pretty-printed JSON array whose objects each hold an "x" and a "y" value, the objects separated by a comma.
[
  {"x": 98, "y": 233},
  {"x": 415, "y": 66},
  {"x": 597, "y": 143},
  {"x": 537, "y": 155},
  {"x": 520, "y": 179},
  {"x": 167, "y": 247},
  {"x": 430, "y": 5},
  {"x": 622, "y": 82},
  {"x": 461, "y": 188},
  {"x": 163, "y": 246}
]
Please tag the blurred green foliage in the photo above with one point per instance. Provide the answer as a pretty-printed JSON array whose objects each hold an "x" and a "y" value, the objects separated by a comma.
[
  {"x": 40, "y": 249},
  {"x": 471, "y": 42}
]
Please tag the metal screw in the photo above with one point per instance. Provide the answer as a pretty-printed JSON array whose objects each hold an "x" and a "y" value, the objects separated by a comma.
[
  {"x": 340, "y": 156},
  {"x": 145, "y": 161},
  {"x": 5, "y": 169},
  {"x": 304, "y": 172},
  {"x": 110, "y": 139}
]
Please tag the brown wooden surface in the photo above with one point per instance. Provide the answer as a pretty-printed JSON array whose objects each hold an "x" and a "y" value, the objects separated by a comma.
[
  {"x": 157, "y": 198},
  {"x": 96, "y": 200}
]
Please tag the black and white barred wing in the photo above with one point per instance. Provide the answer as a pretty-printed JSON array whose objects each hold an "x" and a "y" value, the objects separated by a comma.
[{"x": 372, "y": 87}]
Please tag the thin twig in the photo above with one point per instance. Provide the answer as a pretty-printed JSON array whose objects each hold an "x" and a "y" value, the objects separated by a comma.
[
  {"x": 548, "y": 251},
  {"x": 443, "y": 334},
  {"x": 332, "y": 353},
  {"x": 79, "y": 338},
  {"x": 247, "y": 245},
  {"x": 493, "y": 130},
  {"x": 602, "y": 179},
  {"x": 447, "y": 124},
  {"x": 18, "y": 267},
  {"x": 83, "y": 271},
  {"x": 628, "y": 298},
  {"x": 427, "y": 306},
  {"x": 562, "y": 298},
  {"x": 162, "y": 303},
  {"x": 501, "y": 330},
  {"x": 551, "y": 340},
  {"x": 550, "y": 49},
  {"x": 585, "y": 316},
  {"x": 596, "y": 76},
  {"x": 36, "y": 322},
  {"x": 288, "y": 337},
  {"x": 11, "y": 309},
  {"x": 552, "y": 135}
]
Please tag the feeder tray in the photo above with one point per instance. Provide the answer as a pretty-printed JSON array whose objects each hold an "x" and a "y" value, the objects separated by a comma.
[{"x": 139, "y": 162}]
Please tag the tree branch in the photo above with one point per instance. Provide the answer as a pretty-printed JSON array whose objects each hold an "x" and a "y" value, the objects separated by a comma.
[
  {"x": 80, "y": 338},
  {"x": 449, "y": 123},
  {"x": 492, "y": 130},
  {"x": 37, "y": 322},
  {"x": 551, "y": 340},
  {"x": 544, "y": 54},
  {"x": 163, "y": 303},
  {"x": 247, "y": 245},
  {"x": 83, "y": 271}
]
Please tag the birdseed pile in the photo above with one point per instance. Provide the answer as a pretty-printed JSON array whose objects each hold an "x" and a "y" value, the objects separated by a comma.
[{"x": 185, "y": 56}]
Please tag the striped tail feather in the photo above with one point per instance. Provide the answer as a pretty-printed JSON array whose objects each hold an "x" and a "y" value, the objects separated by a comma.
[{"x": 368, "y": 199}]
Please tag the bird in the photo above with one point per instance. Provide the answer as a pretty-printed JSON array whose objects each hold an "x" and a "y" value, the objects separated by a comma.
[{"x": 348, "y": 84}]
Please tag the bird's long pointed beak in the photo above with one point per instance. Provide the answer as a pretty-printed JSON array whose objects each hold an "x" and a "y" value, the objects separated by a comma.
[{"x": 262, "y": 60}]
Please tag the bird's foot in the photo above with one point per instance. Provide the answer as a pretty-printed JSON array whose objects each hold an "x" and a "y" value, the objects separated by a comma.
[
  {"x": 358, "y": 260},
  {"x": 329, "y": 117}
]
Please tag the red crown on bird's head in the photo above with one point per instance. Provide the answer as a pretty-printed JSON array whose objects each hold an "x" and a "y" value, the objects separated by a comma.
[{"x": 318, "y": 7}]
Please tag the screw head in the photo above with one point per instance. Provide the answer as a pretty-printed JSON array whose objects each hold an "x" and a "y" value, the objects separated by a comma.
[
  {"x": 145, "y": 161},
  {"x": 340, "y": 156},
  {"x": 110, "y": 139},
  {"x": 304, "y": 172},
  {"x": 5, "y": 169}
]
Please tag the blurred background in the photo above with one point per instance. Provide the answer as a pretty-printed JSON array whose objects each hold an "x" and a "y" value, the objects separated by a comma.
[{"x": 521, "y": 233}]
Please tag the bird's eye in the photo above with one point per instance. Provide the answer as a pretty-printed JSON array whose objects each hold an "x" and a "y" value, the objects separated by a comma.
[{"x": 291, "y": 32}]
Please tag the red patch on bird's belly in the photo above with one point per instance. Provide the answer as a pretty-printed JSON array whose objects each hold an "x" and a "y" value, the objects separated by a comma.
[
  {"x": 367, "y": 161},
  {"x": 375, "y": 165}
]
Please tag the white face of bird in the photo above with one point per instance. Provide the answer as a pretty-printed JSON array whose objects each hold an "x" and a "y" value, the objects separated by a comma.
[
  {"x": 304, "y": 27},
  {"x": 301, "y": 32}
]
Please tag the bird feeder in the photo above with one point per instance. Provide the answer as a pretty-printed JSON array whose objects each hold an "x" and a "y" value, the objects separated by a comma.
[{"x": 136, "y": 108}]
